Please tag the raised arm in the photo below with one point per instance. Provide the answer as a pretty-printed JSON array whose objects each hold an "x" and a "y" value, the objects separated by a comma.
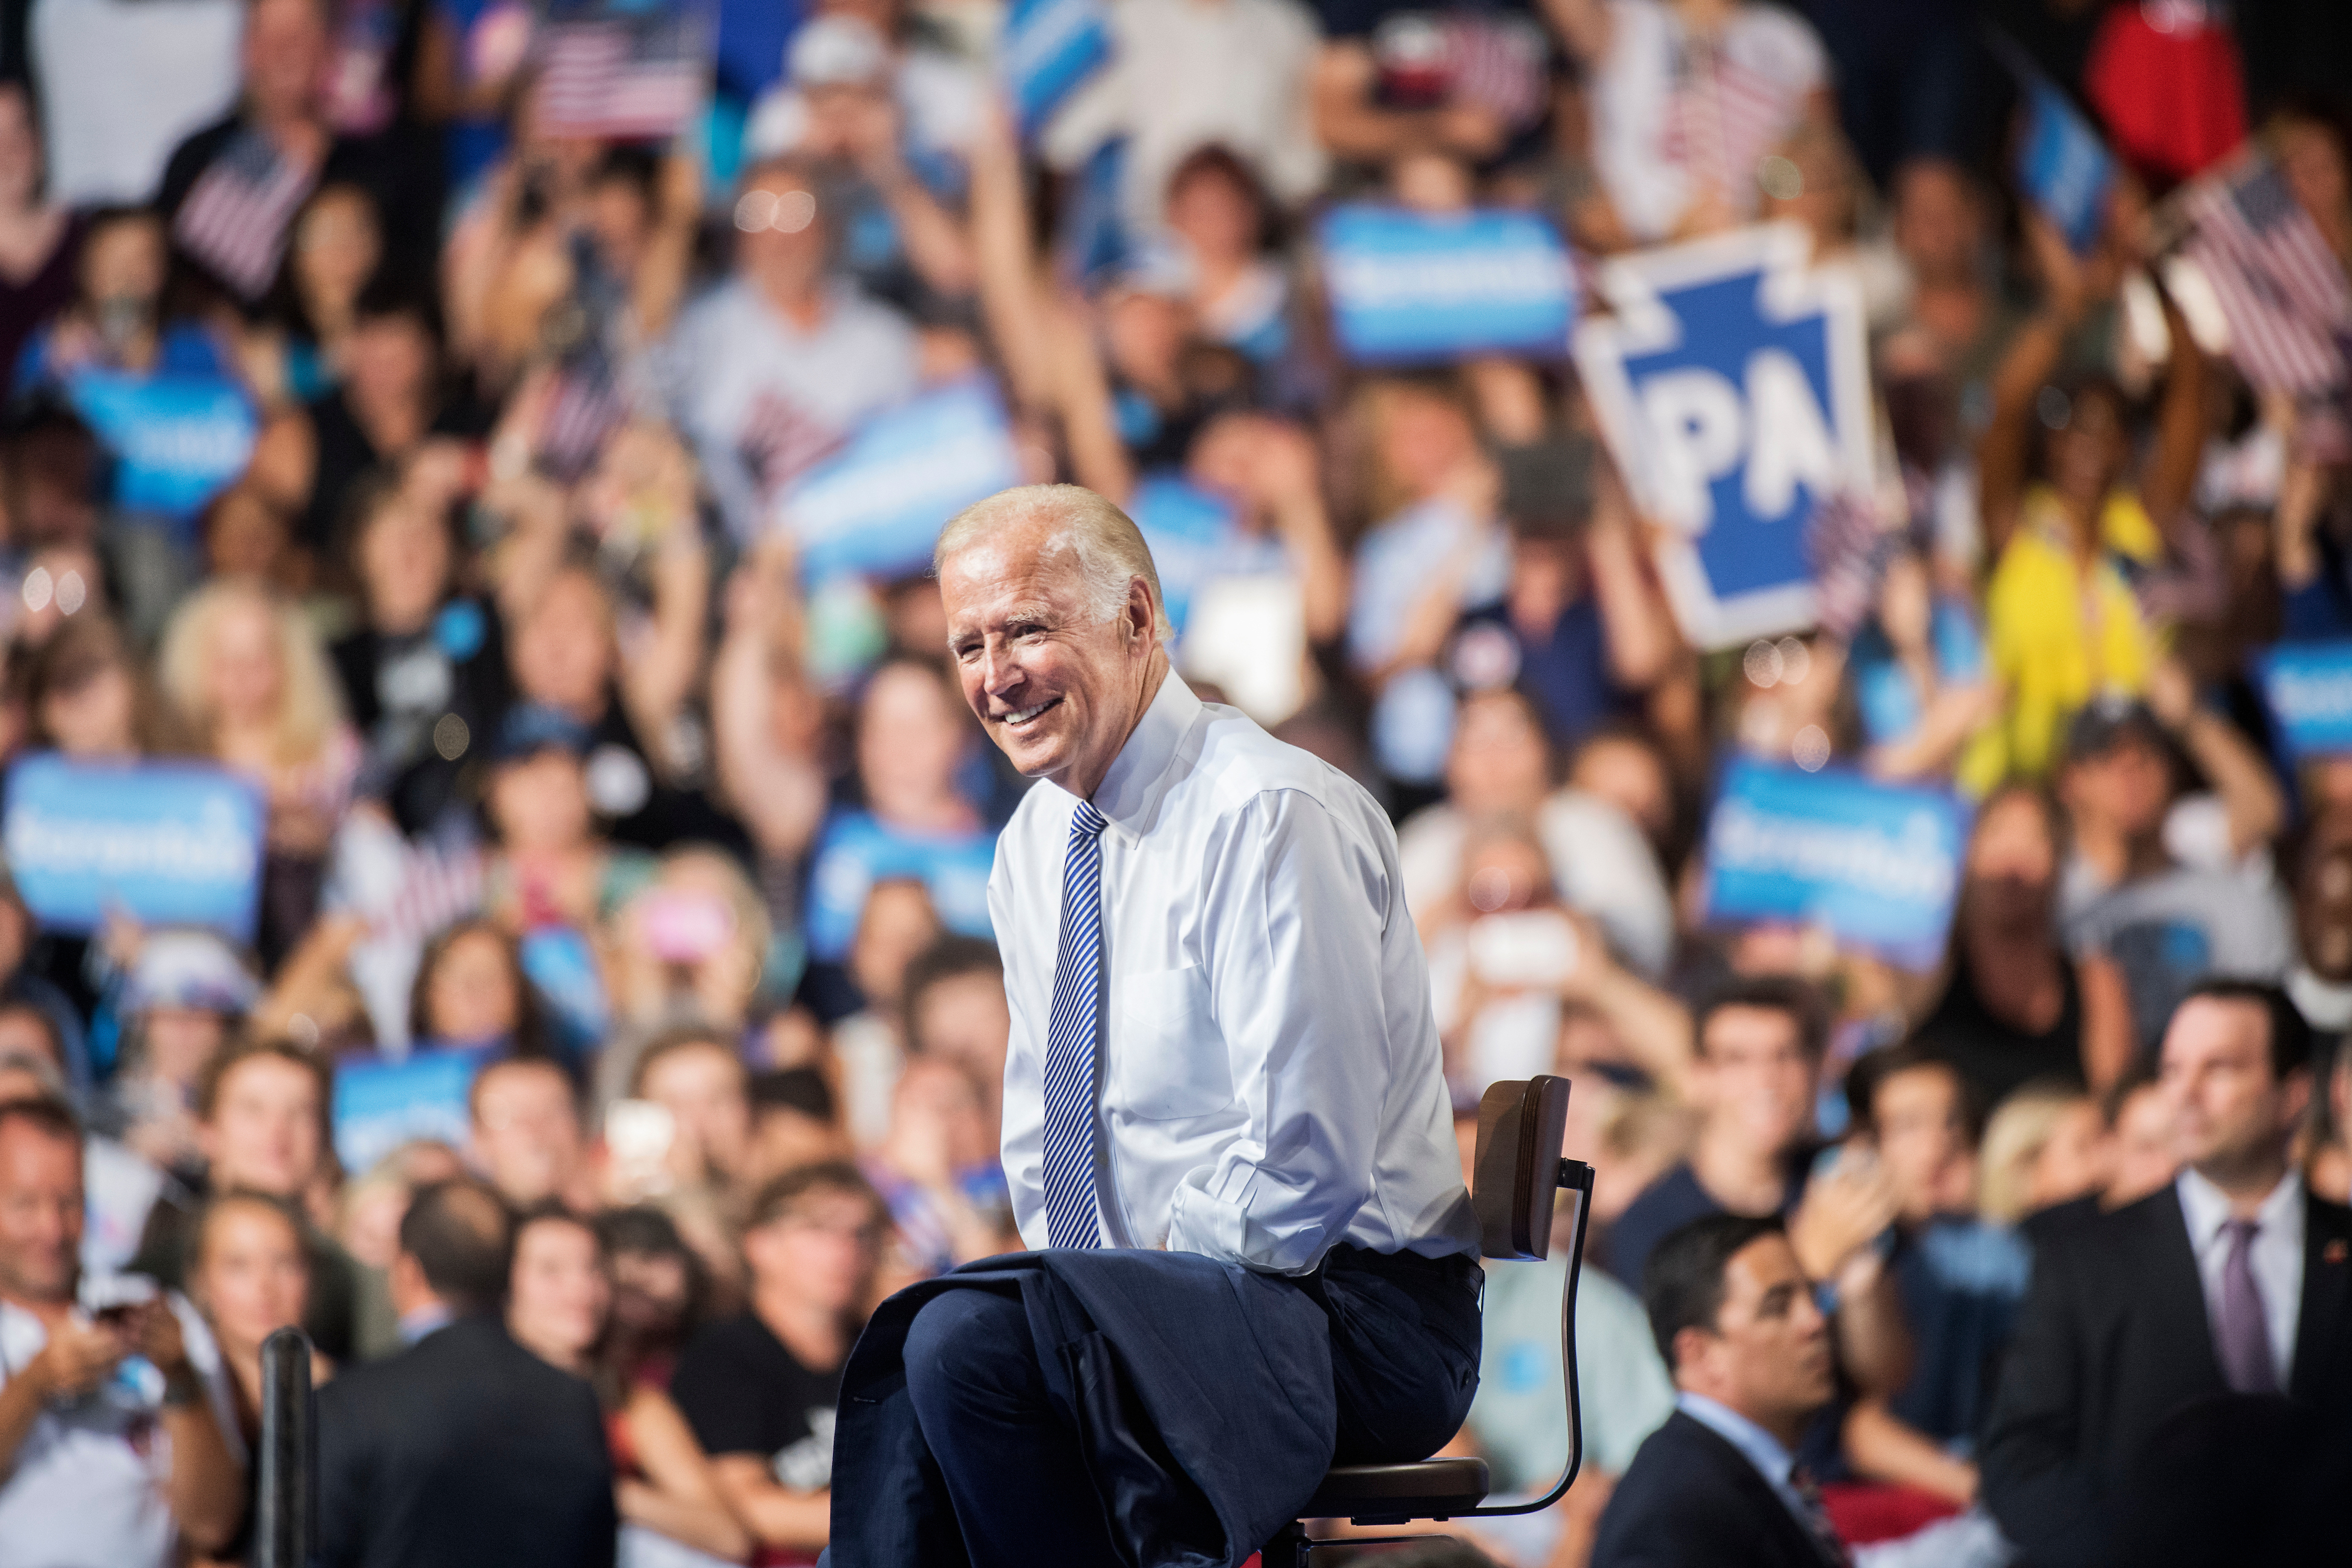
[
  {"x": 773, "y": 783},
  {"x": 647, "y": 471},
  {"x": 2170, "y": 477},
  {"x": 2006, "y": 447},
  {"x": 668, "y": 263},
  {"x": 1639, "y": 630},
  {"x": 1082, "y": 389},
  {"x": 1350, "y": 123},
  {"x": 937, "y": 246},
  {"x": 2249, "y": 792},
  {"x": 1006, "y": 263}
]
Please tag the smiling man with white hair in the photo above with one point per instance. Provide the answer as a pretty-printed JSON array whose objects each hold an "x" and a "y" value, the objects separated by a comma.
[{"x": 1225, "y": 1125}]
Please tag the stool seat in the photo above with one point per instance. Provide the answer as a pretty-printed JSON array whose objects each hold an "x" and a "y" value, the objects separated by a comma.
[{"x": 1427, "y": 1489}]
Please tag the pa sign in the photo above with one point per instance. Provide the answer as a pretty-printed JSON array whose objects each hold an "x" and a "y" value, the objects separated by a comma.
[{"x": 1733, "y": 385}]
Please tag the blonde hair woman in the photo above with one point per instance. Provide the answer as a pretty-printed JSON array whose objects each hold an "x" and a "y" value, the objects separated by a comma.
[{"x": 247, "y": 677}]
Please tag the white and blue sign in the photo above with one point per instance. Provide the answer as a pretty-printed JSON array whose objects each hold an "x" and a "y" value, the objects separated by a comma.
[
  {"x": 379, "y": 1105},
  {"x": 2064, "y": 166},
  {"x": 1733, "y": 385},
  {"x": 1409, "y": 285},
  {"x": 1050, "y": 48},
  {"x": 877, "y": 506},
  {"x": 170, "y": 843},
  {"x": 1878, "y": 864},
  {"x": 1191, "y": 535},
  {"x": 2309, "y": 689},
  {"x": 178, "y": 440}
]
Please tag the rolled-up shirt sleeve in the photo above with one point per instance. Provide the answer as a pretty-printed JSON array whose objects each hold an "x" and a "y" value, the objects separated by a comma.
[{"x": 1296, "y": 911}]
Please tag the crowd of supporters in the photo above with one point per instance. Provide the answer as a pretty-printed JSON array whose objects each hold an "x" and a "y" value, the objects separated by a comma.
[{"x": 621, "y": 867}]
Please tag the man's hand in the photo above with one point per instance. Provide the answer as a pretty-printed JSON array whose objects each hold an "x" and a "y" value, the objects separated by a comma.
[
  {"x": 1843, "y": 1213},
  {"x": 77, "y": 1358},
  {"x": 155, "y": 1331}
]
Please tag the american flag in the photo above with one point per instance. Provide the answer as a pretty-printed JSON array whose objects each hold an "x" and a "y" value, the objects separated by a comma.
[
  {"x": 439, "y": 885},
  {"x": 622, "y": 79},
  {"x": 235, "y": 217},
  {"x": 1848, "y": 549},
  {"x": 1723, "y": 120},
  {"x": 585, "y": 405},
  {"x": 1498, "y": 63},
  {"x": 781, "y": 441},
  {"x": 2281, "y": 289}
]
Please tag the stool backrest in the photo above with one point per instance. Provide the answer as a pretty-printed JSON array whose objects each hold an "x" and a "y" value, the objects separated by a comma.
[{"x": 1516, "y": 1172}]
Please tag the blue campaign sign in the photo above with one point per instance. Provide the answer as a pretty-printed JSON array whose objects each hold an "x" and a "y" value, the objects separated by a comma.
[
  {"x": 1191, "y": 533},
  {"x": 2309, "y": 689},
  {"x": 877, "y": 505},
  {"x": 1878, "y": 864},
  {"x": 2063, "y": 165},
  {"x": 1408, "y": 286},
  {"x": 1733, "y": 385},
  {"x": 172, "y": 844},
  {"x": 1050, "y": 48},
  {"x": 379, "y": 1105},
  {"x": 176, "y": 439}
]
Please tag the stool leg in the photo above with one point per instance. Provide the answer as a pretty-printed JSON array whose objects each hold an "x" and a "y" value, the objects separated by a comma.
[{"x": 1288, "y": 1547}]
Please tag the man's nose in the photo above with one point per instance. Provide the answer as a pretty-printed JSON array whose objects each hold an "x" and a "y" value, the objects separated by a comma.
[{"x": 1000, "y": 672}]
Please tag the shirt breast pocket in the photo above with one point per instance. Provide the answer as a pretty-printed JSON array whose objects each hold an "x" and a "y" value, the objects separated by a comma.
[{"x": 1169, "y": 1058}]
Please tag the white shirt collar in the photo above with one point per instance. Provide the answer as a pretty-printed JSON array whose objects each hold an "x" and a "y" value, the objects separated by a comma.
[
  {"x": 2206, "y": 1208},
  {"x": 1761, "y": 1449},
  {"x": 1129, "y": 788}
]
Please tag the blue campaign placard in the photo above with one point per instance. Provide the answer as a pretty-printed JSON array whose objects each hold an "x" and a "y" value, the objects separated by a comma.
[
  {"x": 1878, "y": 864},
  {"x": 379, "y": 1105},
  {"x": 2309, "y": 689},
  {"x": 171, "y": 844},
  {"x": 2064, "y": 166},
  {"x": 1733, "y": 387},
  {"x": 1050, "y": 48},
  {"x": 877, "y": 506},
  {"x": 176, "y": 439},
  {"x": 1191, "y": 532},
  {"x": 1409, "y": 285}
]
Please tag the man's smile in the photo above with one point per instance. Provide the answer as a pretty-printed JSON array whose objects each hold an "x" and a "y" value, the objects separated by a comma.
[{"x": 1020, "y": 718}]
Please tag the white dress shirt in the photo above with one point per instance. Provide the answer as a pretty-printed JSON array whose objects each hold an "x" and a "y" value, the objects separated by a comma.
[
  {"x": 1269, "y": 1083},
  {"x": 89, "y": 1488},
  {"x": 2275, "y": 1255}
]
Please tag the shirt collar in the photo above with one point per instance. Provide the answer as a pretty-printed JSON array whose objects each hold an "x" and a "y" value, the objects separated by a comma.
[
  {"x": 1128, "y": 789},
  {"x": 1761, "y": 1449},
  {"x": 425, "y": 1321},
  {"x": 2206, "y": 1208}
]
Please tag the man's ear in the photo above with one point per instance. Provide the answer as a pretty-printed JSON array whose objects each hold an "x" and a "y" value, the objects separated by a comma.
[
  {"x": 1142, "y": 617},
  {"x": 405, "y": 1283},
  {"x": 2294, "y": 1097},
  {"x": 1691, "y": 1345}
]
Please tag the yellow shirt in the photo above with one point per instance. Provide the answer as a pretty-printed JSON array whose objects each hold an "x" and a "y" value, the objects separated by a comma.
[{"x": 2059, "y": 634}]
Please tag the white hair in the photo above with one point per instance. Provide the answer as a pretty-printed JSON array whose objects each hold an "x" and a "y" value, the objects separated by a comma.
[{"x": 1109, "y": 550}]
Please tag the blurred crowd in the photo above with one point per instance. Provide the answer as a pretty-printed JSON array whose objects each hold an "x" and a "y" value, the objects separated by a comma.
[{"x": 673, "y": 853}]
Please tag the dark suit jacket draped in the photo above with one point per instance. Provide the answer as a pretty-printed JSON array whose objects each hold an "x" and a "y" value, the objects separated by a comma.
[
  {"x": 462, "y": 1451},
  {"x": 1690, "y": 1497},
  {"x": 2113, "y": 1343}
]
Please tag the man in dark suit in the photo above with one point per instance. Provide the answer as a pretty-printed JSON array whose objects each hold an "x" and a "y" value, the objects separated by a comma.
[
  {"x": 2156, "y": 1338},
  {"x": 1736, "y": 1319},
  {"x": 465, "y": 1450}
]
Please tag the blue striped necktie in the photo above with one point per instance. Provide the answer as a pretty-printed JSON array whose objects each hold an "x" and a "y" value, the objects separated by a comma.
[{"x": 1070, "y": 1041}]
